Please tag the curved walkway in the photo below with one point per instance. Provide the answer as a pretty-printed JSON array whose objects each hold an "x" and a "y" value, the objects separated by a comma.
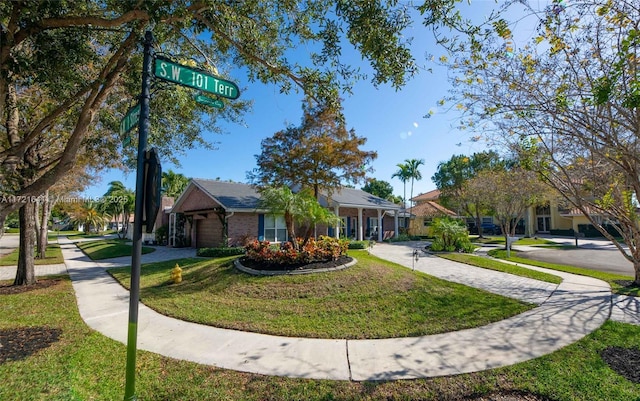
[{"x": 566, "y": 313}]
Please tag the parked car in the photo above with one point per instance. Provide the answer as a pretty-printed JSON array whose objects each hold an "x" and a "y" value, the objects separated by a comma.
[{"x": 491, "y": 229}]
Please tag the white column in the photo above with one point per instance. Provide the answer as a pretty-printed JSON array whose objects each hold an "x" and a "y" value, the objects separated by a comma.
[
  {"x": 379, "y": 225},
  {"x": 336, "y": 210},
  {"x": 360, "y": 231},
  {"x": 395, "y": 222},
  {"x": 171, "y": 232}
]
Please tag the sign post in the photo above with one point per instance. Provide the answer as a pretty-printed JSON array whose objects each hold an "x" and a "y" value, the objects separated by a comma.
[{"x": 136, "y": 255}]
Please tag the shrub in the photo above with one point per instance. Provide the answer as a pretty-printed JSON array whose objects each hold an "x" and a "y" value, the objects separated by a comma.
[
  {"x": 358, "y": 244},
  {"x": 405, "y": 237},
  {"x": 321, "y": 250},
  {"x": 450, "y": 235},
  {"x": 220, "y": 252}
]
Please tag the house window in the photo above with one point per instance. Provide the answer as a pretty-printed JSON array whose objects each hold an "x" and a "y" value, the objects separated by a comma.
[
  {"x": 275, "y": 229},
  {"x": 487, "y": 220},
  {"x": 426, "y": 222},
  {"x": 343, "y": 226}
]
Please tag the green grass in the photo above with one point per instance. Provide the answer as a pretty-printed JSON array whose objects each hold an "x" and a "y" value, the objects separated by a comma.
[
  {"x": 608, "y": 277},
  {"x": 84, "y": 365},
  {"x": 373, "y": 299},
  {"x": 81, "y": 234},
  {"x": 108, "y": 248},
  {"x": 53, "y": 256},
  {"x": 492, "y": 264},
  {"x": 521, "y": 241}
]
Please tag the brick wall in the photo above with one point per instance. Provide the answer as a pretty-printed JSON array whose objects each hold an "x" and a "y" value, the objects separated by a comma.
[{"x": 242, "y": 225}]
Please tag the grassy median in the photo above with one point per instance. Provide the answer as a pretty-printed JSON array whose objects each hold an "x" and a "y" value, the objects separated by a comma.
[{"x": 373, "y": 299}]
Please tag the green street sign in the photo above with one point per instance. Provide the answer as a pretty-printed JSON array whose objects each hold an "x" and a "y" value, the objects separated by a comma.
[
  {"x": 194, "y": 78},
  {"x": 130, "y": 119},
  {"x": 126, "y": 141},
  {"x": 207, "y": 101}
]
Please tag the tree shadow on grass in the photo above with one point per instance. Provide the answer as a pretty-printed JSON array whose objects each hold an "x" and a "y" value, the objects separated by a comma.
[{"x": 19, "y": 343}]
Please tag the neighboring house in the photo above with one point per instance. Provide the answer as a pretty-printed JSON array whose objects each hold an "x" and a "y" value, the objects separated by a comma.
[
  {"x": 425, "y": 209},
  {"x": 162, "y": 219},
  {"x": 561, "y": 219},
  {"x": 552, "y": 218},
  {"x": 212, "y": 213}
]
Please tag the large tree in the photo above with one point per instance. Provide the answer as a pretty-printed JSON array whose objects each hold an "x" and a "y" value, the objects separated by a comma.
[
  {"x": 452, "y": 175},
  {"x": 568, "y": 101},
  {"x": 404, "y": 175},
  {"x": 381, "y": 189},
  {"x": 320, "y": 154},
  {"x": 508, "y": 193},
  {"x": 69, "y": 72},
  {"x": 413, "y": 167},
  {"x": 173, "y": 184}
]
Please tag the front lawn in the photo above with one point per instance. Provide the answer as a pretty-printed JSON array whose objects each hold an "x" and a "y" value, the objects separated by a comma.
[
  {"x": 81, "y": 364},
  {"x": 614, "y": 280},
  {"x": 491, "y": 264},
  {"x": 109, "y": 248},
  {"x": 53, "y": 256},
  {"x": 373, "y": 299}
]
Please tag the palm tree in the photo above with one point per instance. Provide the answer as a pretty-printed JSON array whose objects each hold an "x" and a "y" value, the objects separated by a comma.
[
  {"x": 282, "y": 200},
  {"x": 173, "y": 184},
  {"x": 119, "y": 201},
  {"x": 413, "y": 172},
  {"x": 89, "y": 215},
  {"x": 403, "y": 175}
]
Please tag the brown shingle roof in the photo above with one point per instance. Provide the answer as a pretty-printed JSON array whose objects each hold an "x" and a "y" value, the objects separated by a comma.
[
  {"x": 427, "y": 196},
  {"x": 430, "y": 209}
]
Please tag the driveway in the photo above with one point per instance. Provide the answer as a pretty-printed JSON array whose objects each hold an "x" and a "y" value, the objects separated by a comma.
[{"x": 594, "y": 254}]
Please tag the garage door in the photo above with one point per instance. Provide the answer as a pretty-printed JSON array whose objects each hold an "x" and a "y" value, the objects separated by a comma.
[{"x": 208, "y": 233}]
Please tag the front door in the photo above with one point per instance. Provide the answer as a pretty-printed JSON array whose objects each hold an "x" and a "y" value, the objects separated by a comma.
[{"x": 544, "y": 224}]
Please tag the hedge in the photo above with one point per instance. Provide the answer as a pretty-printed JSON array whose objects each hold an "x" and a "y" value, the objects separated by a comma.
[{"x": 220, "y": 252}]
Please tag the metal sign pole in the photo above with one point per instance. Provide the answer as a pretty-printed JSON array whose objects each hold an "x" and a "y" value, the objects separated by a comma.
[{"x": 134, "y": 294}]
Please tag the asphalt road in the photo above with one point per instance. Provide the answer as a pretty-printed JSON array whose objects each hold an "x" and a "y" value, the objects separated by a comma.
[{"x": 591, "y": 254}]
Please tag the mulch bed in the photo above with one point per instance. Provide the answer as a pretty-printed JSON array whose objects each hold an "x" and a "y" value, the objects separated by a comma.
[
  {"x": 19, "y": 343},
  {"x": 252, "y": 264},
  {"x": 624, "y": 361},
  {"x": 19, "y": 289}
]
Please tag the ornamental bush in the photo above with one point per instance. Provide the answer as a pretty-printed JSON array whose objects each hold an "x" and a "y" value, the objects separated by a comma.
[
  {"x": 450, "y": 235},
  {"x": 321, "y": 250}
]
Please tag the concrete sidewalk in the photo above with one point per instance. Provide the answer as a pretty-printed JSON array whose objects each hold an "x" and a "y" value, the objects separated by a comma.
[{"x": 566, "y": 313}]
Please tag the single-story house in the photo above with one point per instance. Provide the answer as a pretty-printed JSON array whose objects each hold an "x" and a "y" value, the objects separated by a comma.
[
  {"x": 425, "y": 209},
  {"x": 212, "y": 213}
]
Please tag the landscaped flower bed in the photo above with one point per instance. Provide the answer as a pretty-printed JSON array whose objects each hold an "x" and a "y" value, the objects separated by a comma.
[{"x": 312, "y": 253}]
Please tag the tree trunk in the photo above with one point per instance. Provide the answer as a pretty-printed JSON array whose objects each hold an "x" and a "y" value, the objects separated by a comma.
[
  {"x": 36, "y": 222},
  {"x": 43, "y": 237},
  {"x": 636, "y": 267},
  {"x": 25, "y": 275},
  {"x": 479, "y": 225}
]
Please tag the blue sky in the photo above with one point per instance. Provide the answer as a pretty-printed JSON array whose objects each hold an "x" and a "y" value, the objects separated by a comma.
[{"x": 392, "y": 121}]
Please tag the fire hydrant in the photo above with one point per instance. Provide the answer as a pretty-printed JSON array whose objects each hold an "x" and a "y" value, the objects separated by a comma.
[{"x": 176, "y": 274}]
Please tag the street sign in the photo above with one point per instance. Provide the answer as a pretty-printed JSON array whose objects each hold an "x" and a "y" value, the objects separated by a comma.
[
  {"x": 126, "y": 141},
  {"x": 194, "y": 78},
  {"x": 130, "y": 119},
  {"x": 207, "y": 101}
]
